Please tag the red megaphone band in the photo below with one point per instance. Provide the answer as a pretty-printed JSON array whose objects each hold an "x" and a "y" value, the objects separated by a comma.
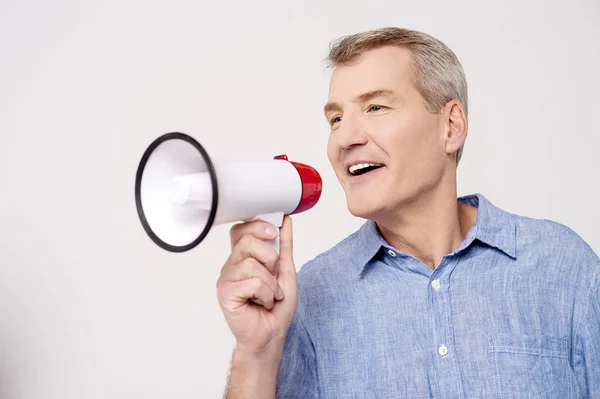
[{"x": 312, "y": 185}]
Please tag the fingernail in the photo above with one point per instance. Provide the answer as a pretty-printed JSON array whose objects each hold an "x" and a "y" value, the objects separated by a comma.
[
  {"x": 271, "y": 232},
  {"x": 279, "y": 294}
]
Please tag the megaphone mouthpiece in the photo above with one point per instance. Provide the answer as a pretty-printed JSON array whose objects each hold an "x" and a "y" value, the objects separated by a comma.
[{"x": 192, "y": 189}]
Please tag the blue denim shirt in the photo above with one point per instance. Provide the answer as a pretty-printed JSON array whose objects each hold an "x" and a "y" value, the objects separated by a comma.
[{"x": 514, "y": 312}]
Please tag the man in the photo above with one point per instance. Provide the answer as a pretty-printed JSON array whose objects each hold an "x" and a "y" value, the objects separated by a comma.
[{"x": 433, "y": 296}]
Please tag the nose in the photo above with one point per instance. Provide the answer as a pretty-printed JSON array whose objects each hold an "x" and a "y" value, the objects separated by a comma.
[{"x": 351, "y": 133}]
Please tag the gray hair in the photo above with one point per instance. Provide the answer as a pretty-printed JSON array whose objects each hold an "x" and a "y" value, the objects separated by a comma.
[{"x": 437, "y": 72}]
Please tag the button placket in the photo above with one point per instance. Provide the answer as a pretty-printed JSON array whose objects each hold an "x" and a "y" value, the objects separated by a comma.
[{"x": 443, "y": 340}]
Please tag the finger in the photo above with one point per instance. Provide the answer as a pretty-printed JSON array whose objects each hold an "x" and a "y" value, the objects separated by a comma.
[
  {"x": 250, "y": 246},
  {"x": 286, "y": 242},
  {"x": 254, "y": 288},
  {"x": 286, "y": 269},
  {"x": 251, "y": 268},
  {"x": 258, "y": 228}
]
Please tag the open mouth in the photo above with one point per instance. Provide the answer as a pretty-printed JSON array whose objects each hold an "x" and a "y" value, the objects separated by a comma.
[{"x": 362, "y": 168}]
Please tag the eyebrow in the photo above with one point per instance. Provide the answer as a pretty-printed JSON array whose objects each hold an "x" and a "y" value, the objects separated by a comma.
[{"x": 361, "y": 98}]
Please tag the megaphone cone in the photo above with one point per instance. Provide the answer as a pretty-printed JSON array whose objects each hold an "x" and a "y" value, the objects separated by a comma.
[{"x": 180, "y": 193}]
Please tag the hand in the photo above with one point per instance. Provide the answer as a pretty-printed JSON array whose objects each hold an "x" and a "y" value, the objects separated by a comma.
[{"x": 249, "y": 273}]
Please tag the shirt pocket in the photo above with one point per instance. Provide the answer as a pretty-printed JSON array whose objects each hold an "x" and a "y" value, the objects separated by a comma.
[{"x": 530, "y": 366}]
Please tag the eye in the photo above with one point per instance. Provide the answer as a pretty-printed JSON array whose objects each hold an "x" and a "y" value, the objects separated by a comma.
[
  {"x": 334, "y": 120},
  {"x": 375, "y": 108}
]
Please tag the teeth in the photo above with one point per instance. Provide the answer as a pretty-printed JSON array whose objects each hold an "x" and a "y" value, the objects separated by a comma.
[{"x": 353, "y": 168}]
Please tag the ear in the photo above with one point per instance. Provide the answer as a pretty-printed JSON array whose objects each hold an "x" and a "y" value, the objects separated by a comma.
[{"x": 456, "y": 126}]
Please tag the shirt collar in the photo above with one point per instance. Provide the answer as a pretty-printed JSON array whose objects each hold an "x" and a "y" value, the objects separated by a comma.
[{"x": 493, "y": 226}]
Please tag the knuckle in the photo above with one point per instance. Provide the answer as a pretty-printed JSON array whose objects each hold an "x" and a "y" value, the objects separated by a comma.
[
  {"x": 226, "y": 266},
  {"x": 245, "y": 241},
  {"x": 221, "y": 291},
  {"x": 234, "y": 232},
  {"x": 222, "y": 285},
  {"x": 259, "y": 284},
  {"x": 248, "y": 265},
  {"x": 226, "y": 270},
  {"x": 251, "y": 265}
]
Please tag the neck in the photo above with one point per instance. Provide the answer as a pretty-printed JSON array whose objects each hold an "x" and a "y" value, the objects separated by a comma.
[{"x": 429, "y": 227}]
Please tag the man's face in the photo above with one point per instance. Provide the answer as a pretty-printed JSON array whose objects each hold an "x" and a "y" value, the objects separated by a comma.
[{"x": 378, "y": 117}]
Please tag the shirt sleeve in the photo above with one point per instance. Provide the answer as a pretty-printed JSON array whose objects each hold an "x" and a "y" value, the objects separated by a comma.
[
  {"x": 297, "y": 376},
  {"x": 589, "y": 346}
]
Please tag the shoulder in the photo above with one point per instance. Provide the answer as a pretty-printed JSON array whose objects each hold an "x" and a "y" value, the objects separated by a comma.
[
  {"x": 553, "y": 237},
  {"x": 328, "y": 270},
  {"x": 558, "y": 245},
  {"x": 335, "y": 259}
]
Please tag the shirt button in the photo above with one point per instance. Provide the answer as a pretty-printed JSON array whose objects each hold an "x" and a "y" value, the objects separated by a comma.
[
  {"x": 392, "y": 253},
  {"x": 443, "y": 350},
  {"x": 435, "y": 284}
]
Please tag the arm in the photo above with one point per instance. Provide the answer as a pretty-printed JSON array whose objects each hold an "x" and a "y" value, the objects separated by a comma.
[
  {"x": 287, "y": 371},
  {"x": 259, "y": 329},
  {"x": 254, "y": 375}
]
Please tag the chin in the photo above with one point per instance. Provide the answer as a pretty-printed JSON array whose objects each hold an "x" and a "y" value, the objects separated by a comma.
[{"x": 363, "y": 208}]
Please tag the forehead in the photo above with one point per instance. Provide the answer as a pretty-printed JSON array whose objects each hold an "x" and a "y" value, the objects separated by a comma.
[{"x": 386, "y": 67}]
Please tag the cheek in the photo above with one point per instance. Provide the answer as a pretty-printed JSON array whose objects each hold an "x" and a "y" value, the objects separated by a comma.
[
  {"x": 410, "y": 145},
  {"x": 413, "y": 136},
  {"x": 395, "y": 137},
  {"x": 332, "y": 151}
]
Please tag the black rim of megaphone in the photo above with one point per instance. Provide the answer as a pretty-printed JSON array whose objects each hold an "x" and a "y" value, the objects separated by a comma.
[{"x": 138, "y": 188}]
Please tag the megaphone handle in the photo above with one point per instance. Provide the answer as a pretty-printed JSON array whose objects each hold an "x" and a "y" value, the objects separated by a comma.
[{"x": 276, "y": 219}]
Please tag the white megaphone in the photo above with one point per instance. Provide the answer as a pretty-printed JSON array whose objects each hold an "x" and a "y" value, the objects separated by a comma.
[{"x": 180, "y": 193}]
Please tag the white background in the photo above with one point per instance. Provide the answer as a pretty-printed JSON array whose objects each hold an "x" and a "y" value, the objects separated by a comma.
[{"x": 89, "y": 306}]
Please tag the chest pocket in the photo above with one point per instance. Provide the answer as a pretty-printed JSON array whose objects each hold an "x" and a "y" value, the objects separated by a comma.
[{"x": 530, "y": 366}]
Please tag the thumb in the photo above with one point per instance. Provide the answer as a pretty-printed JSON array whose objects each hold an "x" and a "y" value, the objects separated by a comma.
[
  {"x": 287, "y": 269},
  {"x": 286, "y": 241}
]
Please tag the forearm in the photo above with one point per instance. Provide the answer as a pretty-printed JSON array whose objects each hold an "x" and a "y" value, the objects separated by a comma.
[{"x": 254, "y": 376}]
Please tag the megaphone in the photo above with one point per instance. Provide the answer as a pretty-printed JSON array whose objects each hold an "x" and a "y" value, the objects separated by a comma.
[{"x": 181, "y": 193}]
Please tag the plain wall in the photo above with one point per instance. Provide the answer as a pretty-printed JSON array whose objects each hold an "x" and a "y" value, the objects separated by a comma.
[{"x": 90, "y": 307}]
